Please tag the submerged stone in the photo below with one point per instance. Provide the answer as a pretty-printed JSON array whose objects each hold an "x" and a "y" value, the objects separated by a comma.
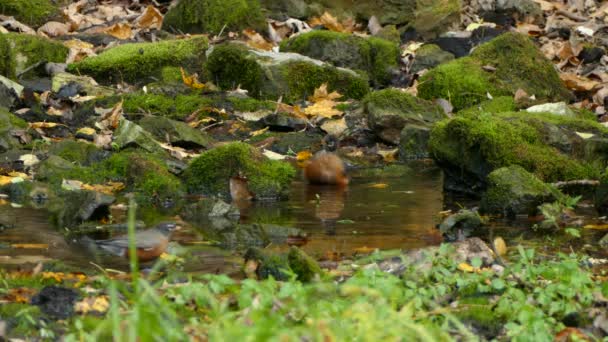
[
  {"x": 390, "y": 110},
  {"x": 512, "y": 191},
  {"x": 518, "y": 63},
  {"x": 414, "y": 141},
  {"x": 141, "y": 63},
  {"x": 375, "y": 56}
]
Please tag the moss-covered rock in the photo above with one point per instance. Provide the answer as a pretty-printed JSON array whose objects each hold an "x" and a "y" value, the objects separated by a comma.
[
  {"x": 498, "y": 104},
  {"x": 303, "y": 265},
  {"x": 9, "y": 122},
  {"x": 389, "y": 110},
  {"x": 213, "y": 16},
  {"x": 395, "y": 12},
  {"x": 177, "y": 133},
  {"x": 513, "y": 190},
  {"x": 284, "y": 9},
  {"x": 519, "y": 65},
  {"x": 30, "y": 12},
  {"x": 414, "y": 141},
  {"x": 429, "y": 56},
  {"x": 210, "y": 173},
  {"x": 469, "y": 147},
  {"x": 375, "y": 56},
  {"x": 142, "y": 62},
  {"x": 78, "y": 152},
  {"x": 269, "y": 264},
  {"x": 129, "y": 134},
  {"x": 21, "y": 51},
  {"x": 270, "y": 75}
]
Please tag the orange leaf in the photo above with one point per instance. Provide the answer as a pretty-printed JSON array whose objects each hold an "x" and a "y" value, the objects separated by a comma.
[
  {"x": 256, "y": 41},
  {"x": 191, "y": 81},
  {"x": 151, "y": 18},
  {"x": 120, "y": 31}
]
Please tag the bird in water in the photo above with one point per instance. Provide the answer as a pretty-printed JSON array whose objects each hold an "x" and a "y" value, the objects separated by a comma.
[
  {"x": 150, "y": 243},
  {"x": 326, "y": 168}
]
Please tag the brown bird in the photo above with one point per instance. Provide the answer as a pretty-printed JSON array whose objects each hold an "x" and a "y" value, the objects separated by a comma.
[
  {"x": 326, "y": 168},
  {"x": 150, "y": 243},
  {"x": 239, "y": 190}
]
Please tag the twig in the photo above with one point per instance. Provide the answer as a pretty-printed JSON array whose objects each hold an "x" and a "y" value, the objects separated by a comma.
[
  {"x": 589, "y": 182},
  {"x": 571, "y": 15}
]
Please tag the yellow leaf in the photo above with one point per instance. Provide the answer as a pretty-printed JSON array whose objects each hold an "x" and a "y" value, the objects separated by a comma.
[
  {"x": 303, "y": 156},
  {"x": 192, "y": 80},
  {"x": 332, "y": 23},
  {"x": 500, "y": 246},
  {"x": 259, "y": 132},
  {"x": 596, "y": 226},
  {"x": 389, "y": 155},
  {"x": 364, "y": 250},
  {"x": 36, "y": 125},
  {"x": 151, "y": 18},
  {"x": 378, "y": 186},
  {"x": 86, "y": 131},
  {"x": 197, "y": 123},
  {"x": 30, "y": 245},
  {"x": 256, "y": 41},
  {"x": 120, "y": 31},
  {"x": 324, "y": 103},
  {"x": 92, "y": 304},
  {"x": 464, "y": 267}
]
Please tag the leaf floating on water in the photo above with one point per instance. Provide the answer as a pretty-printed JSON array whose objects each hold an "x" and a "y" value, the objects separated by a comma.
[
  {"x": 30, "y": 245},
  {"x": 378, "y": 186},
  {"x": 345, "y": 221},
  {"x": 596, "y": 226}
]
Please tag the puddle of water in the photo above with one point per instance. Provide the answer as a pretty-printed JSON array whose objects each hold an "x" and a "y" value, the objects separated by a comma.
[{"x": 378, "y": 211}]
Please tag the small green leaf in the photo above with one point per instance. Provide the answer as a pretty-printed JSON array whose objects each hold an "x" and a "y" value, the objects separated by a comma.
[
  {"x": 476, "y": 262},
  {"x": 573, "y": 232},
  {"x": 498, "y": 284}
]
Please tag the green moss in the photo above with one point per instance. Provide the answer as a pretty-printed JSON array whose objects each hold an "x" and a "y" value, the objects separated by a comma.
[
  {"x": 375, "y": 56},
  {"x": 482, "y": 142},
  {"x": 30, "y": 12},
  {"x": 231, "y": 65},
  {"x": 213, "y": 16},
  {"x": 303, "y": 265},
  {"x": 496, "y": 105},
  {"x": 395, "y": 100},
  {"x": 480, "y": 315},
  {"x": 303, "y": 78},
  {"x": 141, "y": 62},
  {"x": 519, "y": 65},
  {"x": 21, "y": 51},
  {"x": 171, "y": 74},
  {"x": 74, "y": 151},
  {"x": 432, "y": 16},
  {"x": 250, "y": 105},
  {"x": 210, "y": 173}
]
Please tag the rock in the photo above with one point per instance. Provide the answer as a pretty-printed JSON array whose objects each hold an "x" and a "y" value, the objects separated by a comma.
[
  {"x": 56, "y": 301},
  {"x": 390, "y": 110},
  {"x": 30, "y": 12},
  {"x": 604, "y": 241},
  {"x": 177, "y": 133},
  {"x": 221, "y": 209},
  {"x": 285, "y": 9},
  {"x": 19, "y": 52},
  {"x": 297, "y": 142},
  {"x": 213, "y": 16},
  {"x": 10, "y": 92},
  {"x": 303, "y": 265},
  {"x": 435, "y": 16},
  {"x": 8, "y": 124},
  {"x": 270, "y": 75},
  {"x": 462, "y": 224},
  {"x": 78, "y": 152},
  {"x": 470, "y": 146},
  {"x": 81, "y": 85},
  {"x": 429, "y": 56},
  {"x": 71, "y": 208},
  {"x": 210, "y": 173},
  {"x": 283, "y": 122},
  {"x": 129, "y": 134},
  {"x": 471, "y": 248},
  {"x": 518, "y": 63},
  {"x": 519, "y": 10},
  {"x": 375, "y": 56},
  {"x": 390, "y": 33},
  {"x": 52, "y": 168},
  {"x": 512, "y": 191},
  {"x": 413, "y": 143},
  {"x": 142, "y": 62},
  {"x": 559, "y": 108}
]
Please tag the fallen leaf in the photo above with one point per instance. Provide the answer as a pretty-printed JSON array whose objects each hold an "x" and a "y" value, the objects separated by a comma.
[
  {"x": 36, "y": 125},
  {"x": 464, "y": 267},
  {"x": 331, "y": 23},
  {"x": 364, "y": 250},
  {"x": 578, "y": 83},
  {"x": 378, "y": 186},
  {"x": 111, "y": 119},
  {"x": 121, "y": 31},
  {"x": 259, "y": 132},
  {"x": 335, "y": 127},
  {"x": 30, "y": 245},
  {"x": 273, "y": 155},
  {"x": 54, "y": 29},
  {"x": 303, "y": 156},
  {"x": 192, "y": 80},
  {"x": 500, "y": 246},
  {"x": 596, "y": 226},
  {"x": 324, "y": 103},
  {"x": 98, "y": 304},
  {"x": 256, "y": 41},
  {"x": 150, "y": 18},
  {"x": 388, "y": 155}
]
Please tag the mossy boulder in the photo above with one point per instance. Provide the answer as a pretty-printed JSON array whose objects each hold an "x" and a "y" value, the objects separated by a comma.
[
  {"x": 142, "y": 62},
  {"x": 213, "y": 16},
  {"x": 512, "y": 190},
  {"x": 210, "y": 173},
  {"x": 499, "y": 104},
  {"x": 519, "y": 65},
  {"x": 433, "y": 17},
  {"x": 280, "y": 266},
  {"x": 375, "y": 56},
  {"x": 31, "y": 12},
  {"x": 414, "y": 141},
  {"x": 429, "y": 56},
  {"x": 128, "y": 134},
  {"x": 21, "y": 51},
  {"x": 390, "y": 110},
  {"x": 469, "y": 147},
  {"x": 285, "y": 9},
  {"x": 8, "y": 123},
  {"x": 269, "y": 75},
  {"x": 78, "y": 152},
  {"x": 175, "y": 132},
  {"x": 303, "y": 265}
]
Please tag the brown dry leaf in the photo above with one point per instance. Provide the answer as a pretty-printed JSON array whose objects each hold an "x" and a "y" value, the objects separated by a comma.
[
  {"x": 335, "y": 127},
  {"x": 197, "y": 123},
  {"x": 54, "y": 29},
  {"x": 256, "y": 41},
  {"x": 332, "y": 23},
  {"x": 529, "y": 29},
  {"x": 324, "y": 103},
  {"x": 108, "y": 188},
  {"x": 78, "y": 50},
  {"x": 151, "y": 18},
  {"x": 98, "y": 304},
  {"x": 378, "y": 186},
  {"x": 388, "y": 155},
  {"x": 259, "y": 132},
  {"x": 578, "y": 83},
  {"x": 293, "y": 110},
  {"x": 192, "y": 80},
  {"x": 111, "y": 119},
  {"x": 30, "y": 245},
  {"x": 178, "y": 152},
  {"x": 120, "y": 31}
]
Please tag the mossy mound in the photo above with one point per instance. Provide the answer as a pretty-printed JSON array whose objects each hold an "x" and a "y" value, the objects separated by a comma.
[
  {"x": 303, "y": 265},
  {"x": 429, "y": 56},
  {"x": 269, "y": 75},
  {"x": 142, "y": 62},
  {"x": 210, "y": 173},
  {"x": 375, "y": 56},
  {"x": 519, "y": 65},
  {"x": 8, "y": 122},
  {"x": 78, "y": 152},
  {"x": 213, "y": 16},
  {"x": 280, "y": 266},
  {"x": 498, "y": 104},
  {"x": 175, "y": 132},
  {"x": 513, "y": 190},
  {"x": 471, "y": 146},
  {"x": 21, "y": 51},
  {"x": 30, "y": 12},
  {"x": 389, "y": 110}
]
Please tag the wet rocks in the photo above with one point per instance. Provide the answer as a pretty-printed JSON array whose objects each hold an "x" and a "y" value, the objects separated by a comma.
[
  {"x": 129, "y": 134},
  {"x": 429, "y": 56},
  {"x": 390, "y": 110},
  {"x": 20, "y": 52},
  {"x": 517, "y": 62},
  {"x": 142, "y": 63},
  {"x": 413, "y": 142},
  {"x": 461, "y": 224},
  {"x": 175, "y": 132},
  {"x": 280, "y": 266},
  {"x": 375, "y": 56},
  {"x": 512, "y": 191},
  {"x": 10, "y": 92},
  {"x": 56, "y": 301}
]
